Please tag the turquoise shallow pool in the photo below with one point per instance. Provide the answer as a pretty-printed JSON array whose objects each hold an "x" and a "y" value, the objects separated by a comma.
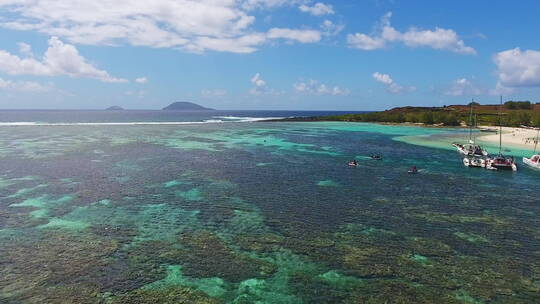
[{"x": 260, "y": 213}]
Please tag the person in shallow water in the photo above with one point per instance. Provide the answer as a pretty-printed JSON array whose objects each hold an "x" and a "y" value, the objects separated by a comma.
[{"x": 376, "y": 156}]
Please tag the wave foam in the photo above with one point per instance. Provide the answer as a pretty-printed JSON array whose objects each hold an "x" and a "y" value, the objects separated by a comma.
[
  {"x": 245, "y": 119},
  {"x": 216, "y": 120}
]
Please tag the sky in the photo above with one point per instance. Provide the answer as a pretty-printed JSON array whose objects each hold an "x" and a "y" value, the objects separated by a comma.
[{"x": 267, "y": 54}]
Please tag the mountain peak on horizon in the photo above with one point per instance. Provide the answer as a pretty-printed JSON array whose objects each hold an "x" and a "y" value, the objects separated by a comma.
[{"x": 186, "y": 106}]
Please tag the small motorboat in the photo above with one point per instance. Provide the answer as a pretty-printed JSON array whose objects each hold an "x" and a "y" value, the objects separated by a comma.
[
  {"x": 354, "y": 163},
  {"x": 533, "y": 161},
  {"x": 376, "y": 157},
  {"x": 474, "y": 162},
  {"x": 413, "y": 170}
]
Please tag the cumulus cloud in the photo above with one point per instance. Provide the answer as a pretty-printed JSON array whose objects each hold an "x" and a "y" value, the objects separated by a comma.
[
  {"x": 303, "y": 36},
  {"x": 194, "y": 26},
  {"x": 23, "y": 86},
  {"x": 463, "y": 87},
  {"x": 390, "y": 85},
  {"x": 318, "y": 9},
  {"x": 59, "y": 59},
  {"x": 329, "y": 28},
  {"x": 517, "y": 68},
  {"x": 262, "y": 4},
  {"x": 313, "y": 87},
  {"x": 383, "y": 78},
  {"x": 259, "y": 85},
  {"x": 141, "y": 80},
  {"x": 439, "y": 38},
  {"x": 25, "y": 49}
]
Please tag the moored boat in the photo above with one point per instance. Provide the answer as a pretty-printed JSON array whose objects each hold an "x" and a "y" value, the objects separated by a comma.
[
  {"x": 501, "y": 162},
  {"x": 474, "y": 162},
  {"x": 534, "y": 160},
  {"x": 471, "y": 149}
]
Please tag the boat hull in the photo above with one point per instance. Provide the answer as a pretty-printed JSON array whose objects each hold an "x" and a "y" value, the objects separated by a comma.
[
  {"x": 530, "y": 163},
  {"x": 464, "y": 150},
  {"x": 474, "y": 162},
  {"x": 507, "y": 167}
]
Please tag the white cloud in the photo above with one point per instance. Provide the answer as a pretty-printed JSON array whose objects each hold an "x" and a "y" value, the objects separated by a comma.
[
  {"x": 59, "y": 59},
  {"x": 501, "y": 90},
  {"x": 439, "y": 38},
  {"x": 463, "y": 87},
  {"x": 261, "y": 4},
  {"x": 141, "y": 80},
  {"x": 25, "y": 49},
  {"x": 516, "y": 68},
  {"x": 318, "y": 9},
  {"x": 383, "y": 78},
  {"x": 329, "y": 28},
  {"x": 259, "y": 85},
  {"x": 391, "y": 86},
  {"x": 260, "y": 88},
  {"x": 208, "y": 93},
  {"x": 23, "y": 86},
  {"x": 190, "y": 25},
  {"x": 313, "y": 87},
  {"x": 365, "y": 42},
  {"x": 257, "y": 80},
  {"x": 303, "y": 36}
]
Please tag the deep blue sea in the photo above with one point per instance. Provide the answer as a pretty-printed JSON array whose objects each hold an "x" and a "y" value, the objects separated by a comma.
[
  {"x": 126, "y": 116},
  {"x": 220, "y": 207}
]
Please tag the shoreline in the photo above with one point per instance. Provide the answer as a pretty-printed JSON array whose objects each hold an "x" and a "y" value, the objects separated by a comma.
[
  {"x": 515, "y": 137},
  {"x": 523, "y": 138}
]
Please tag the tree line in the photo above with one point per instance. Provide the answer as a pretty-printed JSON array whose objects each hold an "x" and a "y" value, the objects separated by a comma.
[{"x": 512, "y": 119}]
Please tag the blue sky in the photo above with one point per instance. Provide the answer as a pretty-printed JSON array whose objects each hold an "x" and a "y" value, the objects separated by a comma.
[{"x": 267, "y": 54}]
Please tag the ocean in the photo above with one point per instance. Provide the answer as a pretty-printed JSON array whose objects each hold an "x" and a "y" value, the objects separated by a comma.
[
  {"x": 222, "y": 207},
  {"x": 146, "y": 116}
]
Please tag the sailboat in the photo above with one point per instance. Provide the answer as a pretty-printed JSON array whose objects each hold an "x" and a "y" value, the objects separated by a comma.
[
  {"x": 477, "y": 160},
  {"x": 471, "y": 149},
  {"x": 501, "y": 162},
  {"x": 534, "y": 160}
]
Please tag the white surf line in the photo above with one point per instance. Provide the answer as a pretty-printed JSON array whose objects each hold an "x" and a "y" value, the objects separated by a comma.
[
  {"x": 150, "y": 123},
  {"x": 247, "y": 119}
]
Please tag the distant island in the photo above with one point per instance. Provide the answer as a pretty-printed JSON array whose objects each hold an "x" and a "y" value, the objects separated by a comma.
[
  {"x": 186, "y": 106},
  {"x": 514, "y": 114},
  {"x": 114, "y": 108}
]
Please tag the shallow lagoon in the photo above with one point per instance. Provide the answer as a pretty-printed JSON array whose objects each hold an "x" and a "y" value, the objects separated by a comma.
[{"x": 260, "y": 213}]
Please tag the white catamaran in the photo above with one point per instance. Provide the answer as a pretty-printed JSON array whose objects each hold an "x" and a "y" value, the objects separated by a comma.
[
  {"x": 501, "y": 162},
  {"x": 471, "y": 149},
  {"x": 534, "y": 160}
]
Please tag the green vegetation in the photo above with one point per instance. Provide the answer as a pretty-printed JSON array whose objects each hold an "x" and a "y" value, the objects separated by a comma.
[
  {"x": 515, "y": 105},
  {"x": 513, "y": 114}
]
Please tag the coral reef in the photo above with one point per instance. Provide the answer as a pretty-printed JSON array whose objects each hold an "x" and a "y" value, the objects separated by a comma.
[{"x": 205, "y": 255}]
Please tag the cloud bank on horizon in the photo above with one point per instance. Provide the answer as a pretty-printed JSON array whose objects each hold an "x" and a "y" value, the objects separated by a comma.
[{"x": 220, "y": 50}]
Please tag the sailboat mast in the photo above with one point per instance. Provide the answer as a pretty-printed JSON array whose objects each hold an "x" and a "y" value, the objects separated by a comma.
[
  {"x": 500, "y": 128},
  {"x": 475, "y": 125},
  {"x": 470, "y": 122},
  {"x": 536, "y": 142}
]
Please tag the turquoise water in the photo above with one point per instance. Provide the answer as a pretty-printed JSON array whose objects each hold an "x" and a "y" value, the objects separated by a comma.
[{"x": 260, "y": 213}]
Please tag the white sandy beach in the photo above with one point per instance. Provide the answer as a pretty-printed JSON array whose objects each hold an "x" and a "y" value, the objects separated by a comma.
[{"x": 517, "y": 137}]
